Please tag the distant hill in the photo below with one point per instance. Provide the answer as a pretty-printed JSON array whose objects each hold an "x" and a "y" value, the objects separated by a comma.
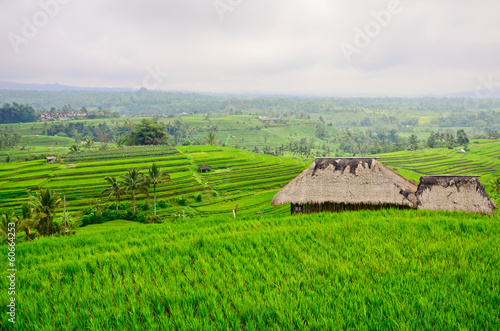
[{"x": 4, "y": 85}]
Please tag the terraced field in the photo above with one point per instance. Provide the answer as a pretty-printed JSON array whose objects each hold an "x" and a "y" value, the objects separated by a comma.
[
  {"x": 482, "y": 159},
  {"x": 238, "y": 177}
]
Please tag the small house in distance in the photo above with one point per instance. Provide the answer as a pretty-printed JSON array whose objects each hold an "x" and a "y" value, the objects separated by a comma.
[
  {"x": 50, "y": 159},
  {"x": 204, "y": 168},
  {"x": 337, "y": 184},
  {"x": 452, "y": 192}
]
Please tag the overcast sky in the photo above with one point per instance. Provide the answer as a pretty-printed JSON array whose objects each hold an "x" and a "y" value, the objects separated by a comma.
[{"x": 324, "y": 47}]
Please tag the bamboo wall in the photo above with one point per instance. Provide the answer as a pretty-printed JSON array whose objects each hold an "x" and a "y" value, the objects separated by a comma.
[{"x": 339, "y": 207}]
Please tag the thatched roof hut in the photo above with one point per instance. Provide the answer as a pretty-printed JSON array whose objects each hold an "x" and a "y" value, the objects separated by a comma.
[
  {"x": 336, "y": 183},
  {"x": 50, "y": 159},
  {"x": 450, "y": 192},
  {"x": 204, "y": 168}
]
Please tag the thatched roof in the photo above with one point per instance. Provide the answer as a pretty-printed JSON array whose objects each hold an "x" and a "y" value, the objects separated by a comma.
[
  {"x": 460, "y": 193},
  {"x": 204, "y": 167},
  {"x": 350, "y": 181}
]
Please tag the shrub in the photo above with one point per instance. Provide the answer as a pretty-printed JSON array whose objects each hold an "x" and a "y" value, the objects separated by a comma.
[
  {"x": 153, "y": 219},
  {"x": 162, "y": 204},
  {"x": 198, "y": 198},
  {"x": 98, "y": 215},
  {"x": 144, "y": 206},
  {"x": 182, "y": 201}
]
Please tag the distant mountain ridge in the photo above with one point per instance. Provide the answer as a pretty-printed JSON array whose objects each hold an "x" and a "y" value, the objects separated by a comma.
[{"x": 6, "y": 85}]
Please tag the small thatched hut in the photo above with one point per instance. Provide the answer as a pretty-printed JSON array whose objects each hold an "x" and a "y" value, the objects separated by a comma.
[
  {"x": 204, "y": 168},
  {"x": 50, "y": 159},
  {"x": 336, "y": 184},
  {"x": 460, "y": 193}
]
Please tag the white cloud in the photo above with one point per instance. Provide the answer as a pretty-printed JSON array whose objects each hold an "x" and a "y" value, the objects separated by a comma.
[{"x": 269, "y": 46}]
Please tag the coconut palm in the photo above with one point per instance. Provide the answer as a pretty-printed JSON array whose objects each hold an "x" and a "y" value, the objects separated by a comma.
[
  {"x": 5, "y": 219},
  {"x": 156, "y": 176},
  {"x": 89, "y": 144},
  {"x": 211, "y": 139},
  {"x": 20, "y": 224},
  {"x": 26, "y": 222},
  {"x": 495, "y": 185},
  {"x": 75, "y": 149},
  {"x": 44, "y": 205},
  {"x": 113, "y": 190},
  {"x": 134, "y": 181}
]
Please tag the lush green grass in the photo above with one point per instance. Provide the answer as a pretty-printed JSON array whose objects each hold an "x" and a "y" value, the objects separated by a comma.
[{"x": 360, "y": 270}]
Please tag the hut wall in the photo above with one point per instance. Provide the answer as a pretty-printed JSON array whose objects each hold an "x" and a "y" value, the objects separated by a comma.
[{"x": 339, "y": 207}]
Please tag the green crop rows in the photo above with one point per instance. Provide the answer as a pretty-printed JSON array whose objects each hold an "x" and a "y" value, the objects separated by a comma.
[
  {"x": 360, "y": 270},
  {"x": 236, "y": 175},
  {"x": 482, "y": 159}
]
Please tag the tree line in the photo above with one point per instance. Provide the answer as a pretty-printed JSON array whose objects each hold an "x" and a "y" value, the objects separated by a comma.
[{"x": 15, "y": 113}]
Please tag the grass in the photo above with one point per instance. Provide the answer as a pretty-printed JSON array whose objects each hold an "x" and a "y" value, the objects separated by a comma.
[{"x": 369, "y": 270}]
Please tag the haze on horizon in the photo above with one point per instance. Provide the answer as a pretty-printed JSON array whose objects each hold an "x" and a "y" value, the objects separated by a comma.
[{"x": 323, "y": 47}]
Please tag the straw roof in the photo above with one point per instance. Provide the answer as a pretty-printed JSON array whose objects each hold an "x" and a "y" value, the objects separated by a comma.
[
  {"x": 460, "y": 193},
  {"x": 349, "y": 181}
]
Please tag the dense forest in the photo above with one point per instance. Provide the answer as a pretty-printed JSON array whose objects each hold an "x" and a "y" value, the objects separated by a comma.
[{"x": 142, "y": 102}]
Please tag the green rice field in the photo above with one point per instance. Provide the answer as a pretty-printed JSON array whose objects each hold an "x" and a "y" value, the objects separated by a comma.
[
  {"x": 383, "y": 269},
  {"x": 203, "y": 269},
  {"x": 237, "y": 177}
]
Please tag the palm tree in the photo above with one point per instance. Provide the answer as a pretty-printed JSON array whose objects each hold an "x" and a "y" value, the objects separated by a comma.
[
  {"x": 114, "y": 190},
  {"x": 26, "y": 221},
  {"x": 5, "y": 219},
  {"x": 156, "y": 176},
  {"x": 211, "y": 139},
  {"x": 89, "y": 143},
  {"x": 495, "y": 185},
  {"x": 135, "y": 181},
  {"x": 44, "y": 205},
  {"x": 23, "y": 224},
  {"x": 75, "y": 148}
]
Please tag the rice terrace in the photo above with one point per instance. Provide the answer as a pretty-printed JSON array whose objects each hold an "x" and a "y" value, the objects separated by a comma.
[
  {"x": 222, "y": 251},
  {"x": 249, "y": 165}
]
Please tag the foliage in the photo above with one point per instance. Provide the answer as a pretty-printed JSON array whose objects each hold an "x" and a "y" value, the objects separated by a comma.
[
  {"x": 462, "y": 138},
  {"x": 495, "y": 185},
  {"x": 20, "y": 224},
  {"x": 386, "y": 269},
  {"x": 211, "y": 138},
  {"x": 44, "y": 204},
  {"x": 148, "y": 133},
  {"x": 101, "y": 132},
  {"x": 16, "y": 113},
  {"x": 156, "y": 177},
  {"x": 75, "y": 149},
  {"x": 9, "y": 139},
  {"x": 113, "y": 190},
  {"x": 97, "y": 214},
  {"x": 134, "y": 182}
]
